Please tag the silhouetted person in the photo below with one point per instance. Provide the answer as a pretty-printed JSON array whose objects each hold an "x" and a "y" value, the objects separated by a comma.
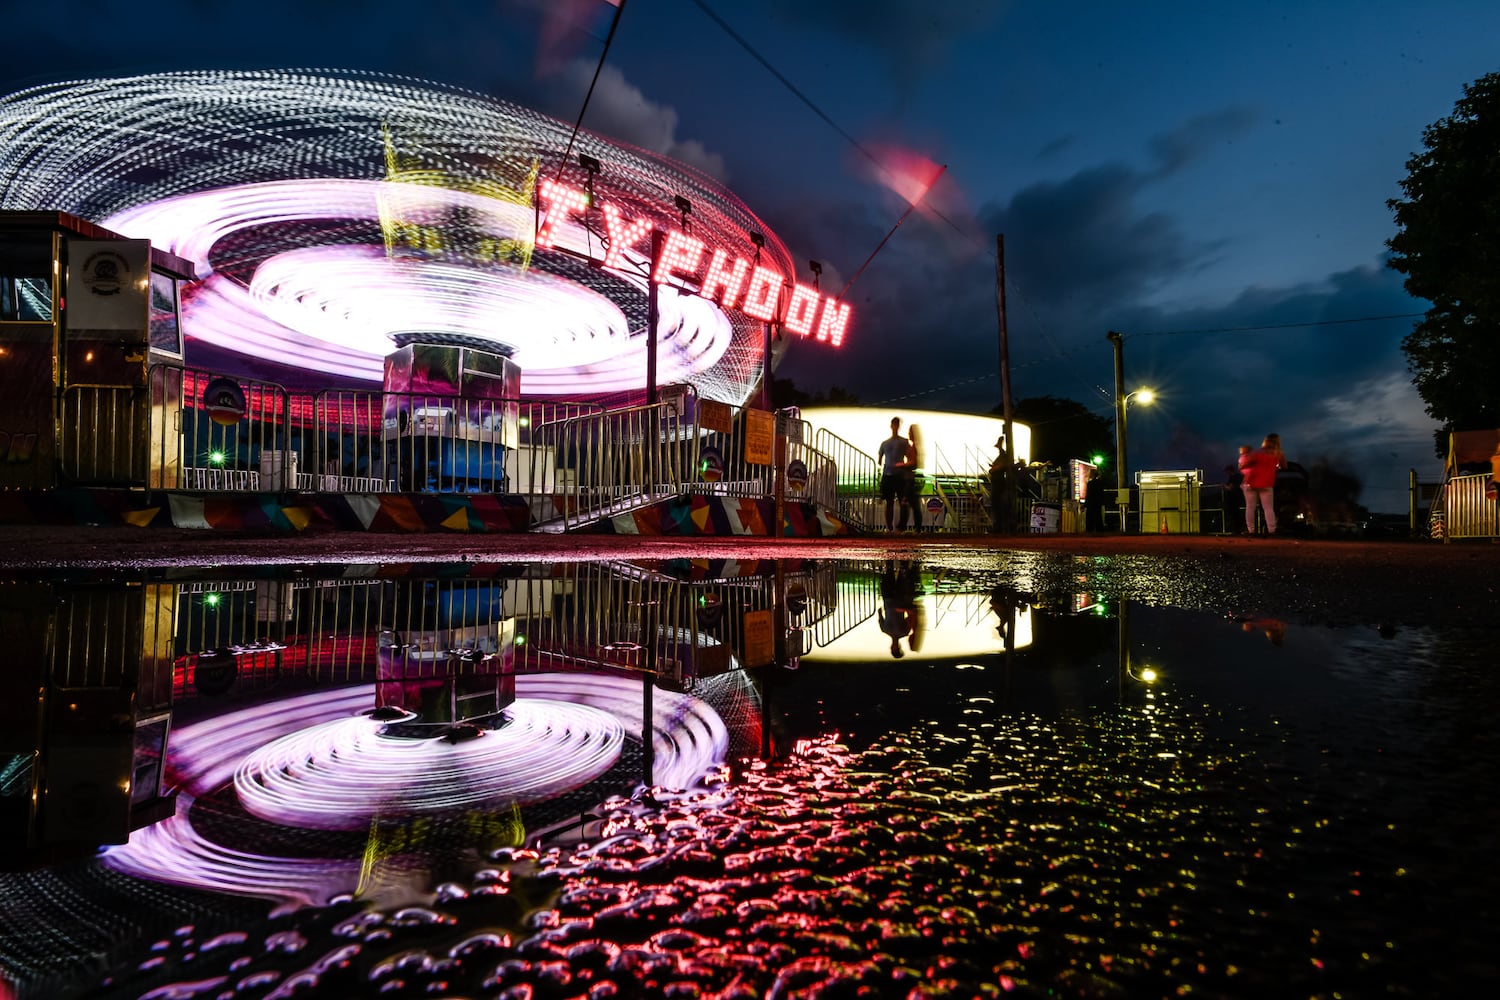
[
  {"x": 999, "y": 472},
  {"x": 1093, "y": 502},
  {"x": 1234, "y": 500},
  {"x": 911, "y": 503},
  {"x": 894, "y": 456},
  {"x": 900, "y": 617}
]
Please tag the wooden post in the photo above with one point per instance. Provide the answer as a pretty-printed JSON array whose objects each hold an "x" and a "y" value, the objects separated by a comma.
[
  {"x": 653, "y": 315},
  {"x": 1008, "y": 481},
  {"x": 1121, "y": 486}
]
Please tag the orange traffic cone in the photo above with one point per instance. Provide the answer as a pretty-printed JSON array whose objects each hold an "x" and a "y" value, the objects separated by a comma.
[{"x": 1164, "y": 524}]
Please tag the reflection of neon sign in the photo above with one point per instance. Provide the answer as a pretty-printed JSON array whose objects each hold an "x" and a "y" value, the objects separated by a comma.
[{"x": 733, "y": 282}]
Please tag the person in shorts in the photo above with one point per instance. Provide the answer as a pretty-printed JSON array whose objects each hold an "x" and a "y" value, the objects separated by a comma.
[{"x": 894, "y": 456}]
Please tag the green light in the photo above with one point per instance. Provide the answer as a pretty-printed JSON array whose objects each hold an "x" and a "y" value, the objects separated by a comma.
[
  {"x": 520, "y": 640},
  {"x": 212, "y": 600},
  {"x": 1097, "y": 460},
  {"x": 216, "y": 458}
]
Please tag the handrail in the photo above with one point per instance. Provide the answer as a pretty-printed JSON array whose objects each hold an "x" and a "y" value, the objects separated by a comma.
[
  {"x": 571, "y": 461},
  {"x": 1467, "y": 512},
  {"x": 600, "y": 464},
  {"x": 857, "y": 485}
]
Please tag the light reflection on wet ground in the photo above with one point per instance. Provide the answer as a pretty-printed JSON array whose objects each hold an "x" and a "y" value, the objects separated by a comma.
[{"x": 1285, "y": 810}]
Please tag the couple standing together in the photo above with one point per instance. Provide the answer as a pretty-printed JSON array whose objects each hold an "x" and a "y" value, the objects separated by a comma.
[
  {"x": 900, "y": 478},
  {"x": 1258, "y": 468}
]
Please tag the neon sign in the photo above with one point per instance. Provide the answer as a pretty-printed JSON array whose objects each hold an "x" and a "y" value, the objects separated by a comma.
[{"x": 733, "y": 282}]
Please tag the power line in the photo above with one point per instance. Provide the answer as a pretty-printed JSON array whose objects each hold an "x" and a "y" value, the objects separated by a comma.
[
  {"x": 1060, "y": 352},
  {"x": 940, "y": 388},
  {"x": 786, "y": 83},
  {"x": 827, "y": 119}
]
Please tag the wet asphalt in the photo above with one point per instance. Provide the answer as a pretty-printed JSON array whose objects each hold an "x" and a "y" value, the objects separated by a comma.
[{"x": 1383, "y": 583}]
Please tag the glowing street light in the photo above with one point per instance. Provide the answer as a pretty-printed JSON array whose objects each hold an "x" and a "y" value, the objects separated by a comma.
[{"x": 1122, "y": 403}]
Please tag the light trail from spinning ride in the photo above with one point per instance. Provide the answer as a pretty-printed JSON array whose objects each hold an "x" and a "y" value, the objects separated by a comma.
[
  {"x": 569, "y": 729},
  {"x": 326, "y": 211},
  {"x": 341, "y": 774}
]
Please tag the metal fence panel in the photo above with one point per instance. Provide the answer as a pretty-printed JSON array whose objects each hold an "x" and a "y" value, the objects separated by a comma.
[{"x": 1467, "y": 512}]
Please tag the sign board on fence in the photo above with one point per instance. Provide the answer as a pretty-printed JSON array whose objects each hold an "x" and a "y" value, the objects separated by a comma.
[
  {"x": 796, "y": 475},
  {"x": 224, "y": 401},
  {"x": 710, "y": 465},
  {"x": 760, "y": 638},
  {"x": 760, "y": 436},
  {"x": 715, "y": 416}
]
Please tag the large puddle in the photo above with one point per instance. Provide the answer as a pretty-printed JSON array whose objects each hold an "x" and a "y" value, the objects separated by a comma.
[{"x": 709, "y": 778}]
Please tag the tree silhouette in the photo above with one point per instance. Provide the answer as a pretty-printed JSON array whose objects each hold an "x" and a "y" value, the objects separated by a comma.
[
  {"x": 1449, "y": 249},
  {"x": 1063, "y": 429}
]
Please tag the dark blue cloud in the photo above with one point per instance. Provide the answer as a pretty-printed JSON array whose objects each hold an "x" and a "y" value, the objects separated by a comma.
[{"x": 910, "y": 37}]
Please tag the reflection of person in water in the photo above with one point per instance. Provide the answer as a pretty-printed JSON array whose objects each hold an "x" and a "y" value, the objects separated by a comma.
[
  {"x": 900, "y": 613},
  {"x": 1274, "y": 628},
  {"x": 1007, "y": 604}
]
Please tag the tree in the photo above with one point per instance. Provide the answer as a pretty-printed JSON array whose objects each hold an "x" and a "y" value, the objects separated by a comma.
[
  {"x": 1063, "y": 429},
  {"x": 1448, "y": 247},
  {"x": 784, "y": 392}
]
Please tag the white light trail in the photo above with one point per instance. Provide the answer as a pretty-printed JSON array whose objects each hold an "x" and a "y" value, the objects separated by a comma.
[
  {"x": 563, "y": 727},
  {"x": 325, "y": 211}
]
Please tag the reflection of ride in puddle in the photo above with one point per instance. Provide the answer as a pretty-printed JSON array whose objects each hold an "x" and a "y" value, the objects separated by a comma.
[{"x": 315, "y": 762}]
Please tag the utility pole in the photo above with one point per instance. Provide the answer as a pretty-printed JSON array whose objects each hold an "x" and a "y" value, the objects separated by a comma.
[
  {"x": 653, "y": 316},
  {"x": 1121, "y": 495},
  {"x": 1007, "y": 507}
]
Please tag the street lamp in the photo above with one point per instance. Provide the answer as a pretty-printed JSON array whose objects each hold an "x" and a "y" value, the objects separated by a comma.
[
  {"x": 1122, "y": 405},
  {"x": 1122, "y": 402}
]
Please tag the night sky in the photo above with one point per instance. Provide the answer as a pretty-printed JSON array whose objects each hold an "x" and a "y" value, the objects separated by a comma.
[{"x": 1177, "y": 172}]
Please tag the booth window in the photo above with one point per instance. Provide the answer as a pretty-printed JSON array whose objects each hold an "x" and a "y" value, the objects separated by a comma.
[
  {"x": 166, "y": 332},
  {"x": 26, "y": 278}
]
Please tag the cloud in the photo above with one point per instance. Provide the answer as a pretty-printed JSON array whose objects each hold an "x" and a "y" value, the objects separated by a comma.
[
  {"x": 620, "y": 110},
  {"x": 1176, "y": 149},
  {"x": 1056, "y": 146},
  {"x": 1085, "y": 255},
  {"x": 1083, "y": 239},
  {"x": 910, "y": 37}
]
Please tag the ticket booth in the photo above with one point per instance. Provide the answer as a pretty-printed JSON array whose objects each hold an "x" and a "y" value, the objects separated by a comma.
[
  {"x": 90, "y": 355},
  {"x": 1169, "y": 501},
  {"x": 91, "y": 692}
]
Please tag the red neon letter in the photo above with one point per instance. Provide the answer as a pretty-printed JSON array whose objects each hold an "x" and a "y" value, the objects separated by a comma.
[
  {"x": 763, "y": 295},
  {"x": 724, "y": 284},
  {"x": 801, "y": 310},
  {"x": 680, "y": 256},
  {"x": 622, "y": 235},
  {"x": 834, "y": 321},
  {"x": 557, "y": 201}
]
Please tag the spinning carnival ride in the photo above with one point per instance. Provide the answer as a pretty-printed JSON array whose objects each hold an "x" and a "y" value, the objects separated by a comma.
[{"x": 327, "y": 213}]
